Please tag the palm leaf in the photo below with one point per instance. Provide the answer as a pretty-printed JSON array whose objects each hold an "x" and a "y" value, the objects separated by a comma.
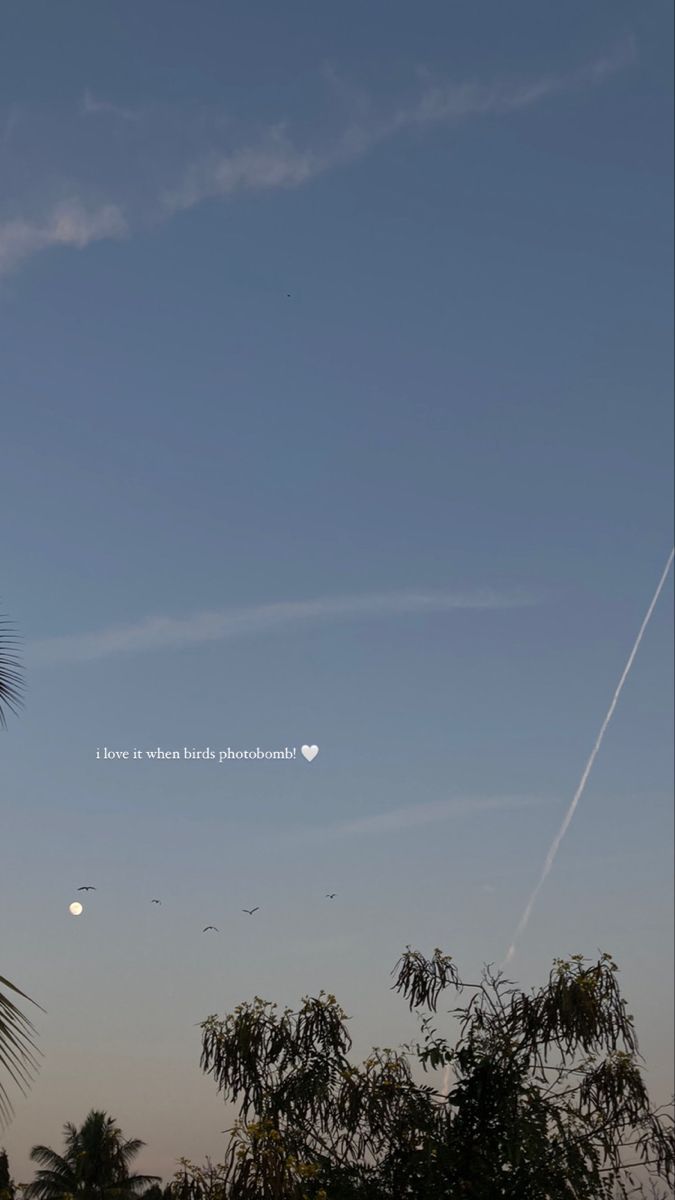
[
  {"x": 18, "y": 1051},
  {"x": 11, "y": 672}
]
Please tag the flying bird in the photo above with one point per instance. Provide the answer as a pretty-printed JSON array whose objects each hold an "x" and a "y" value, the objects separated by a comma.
[
  {"x": 155, "y": 901},
  {"x": 331, "y": 895},
  {"x": 207, "y": 927},
  {"x": 251, "y": 911},
  {"x": 87, "y": 888}
]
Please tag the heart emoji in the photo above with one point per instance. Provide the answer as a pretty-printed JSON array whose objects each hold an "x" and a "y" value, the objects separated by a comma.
[{"x": 309, "y": 752}]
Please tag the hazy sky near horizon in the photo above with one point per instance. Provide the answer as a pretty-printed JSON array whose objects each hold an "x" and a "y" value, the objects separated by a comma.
[{"x": 337, "y": 376}]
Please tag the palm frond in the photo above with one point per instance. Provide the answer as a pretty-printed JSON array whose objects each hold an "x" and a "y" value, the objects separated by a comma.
[
  {"x": 19, "y": 1054},
  {"x": 131, "y": 1148},
  {"x": 48, "y": 1158},
  {"x": 11, "y": 672},
  {"x": 136, "y": 1184}
]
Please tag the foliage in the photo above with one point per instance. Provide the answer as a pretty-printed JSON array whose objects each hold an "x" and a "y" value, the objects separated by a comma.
[
  {"x": 18, "y": 1051},
  {"x": 11, "y": 675},
  {"x": 546, "y": 1098},
  {"x": 94, "y": 1166},
  {"x": 7, "y": 1188},
  {"x": 157, "y": 1192}
]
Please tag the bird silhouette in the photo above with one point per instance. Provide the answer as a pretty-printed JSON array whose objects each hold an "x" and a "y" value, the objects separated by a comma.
[
  {"x": 155, "y": 901},
  {"x": 88, "y": 887},
  {"x": 207, "y": 927},
  {"x": 251, "y": 911},
  {"x": 331, "y": 895}
]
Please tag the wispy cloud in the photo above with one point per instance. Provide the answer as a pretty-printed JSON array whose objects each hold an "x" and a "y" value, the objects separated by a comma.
[
  {"x": 69, "y": 223},
  {"x": 92, "y": 106},
  {"x": 174, "y": 633},
  {"x": 447, "y": 103},
  {"x": 275, "y": 158},
  {"x": 398, "y": 820},
  {"x": 272, "y": 163},
  {"x": 8, "y": 124},
  {"x": 277, "y": 162}
]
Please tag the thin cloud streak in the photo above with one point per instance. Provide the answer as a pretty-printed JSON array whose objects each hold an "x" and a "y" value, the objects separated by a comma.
[
  {"x": 9, "y": 125},
  {"x": 68, "y": 224},
  {"x": 276, "y": 162},
  {"x": 174, "y": 633},
  {"x": 399, "y": 820},
  {"x": 93, "y": 107}
]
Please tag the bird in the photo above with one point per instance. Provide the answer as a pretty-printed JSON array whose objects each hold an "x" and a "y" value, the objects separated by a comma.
[
  {"x": 251, "y": 911},
  {"x": 155, "y": 901},
  {"x": 331, "y": 895},
  {"x": 207, "y": 927},
  {"x": 88, "y": 887}
]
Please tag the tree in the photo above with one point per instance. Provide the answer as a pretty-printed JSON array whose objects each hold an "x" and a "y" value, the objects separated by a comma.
[
  {"x": 546, "y": 1099},
  {"x": 94, "y": 1166},
  {"x": 156, "y": 1192},
  {"x": 7, "y": 1188}
]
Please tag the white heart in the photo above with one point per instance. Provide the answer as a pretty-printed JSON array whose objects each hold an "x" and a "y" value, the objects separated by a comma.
[{"x": 309, "y": 752}]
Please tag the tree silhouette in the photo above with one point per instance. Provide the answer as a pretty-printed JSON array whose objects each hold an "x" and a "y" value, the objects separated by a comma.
[
  {"x": 157, "y": 1192},
  {"x": 545, "y": 1096},
  {"x": 94, "y": 1166},
  {"x": 7, "y": 1188}
]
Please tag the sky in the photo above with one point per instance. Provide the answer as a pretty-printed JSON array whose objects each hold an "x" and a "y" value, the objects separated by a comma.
[{"x": 337, "y": 374}]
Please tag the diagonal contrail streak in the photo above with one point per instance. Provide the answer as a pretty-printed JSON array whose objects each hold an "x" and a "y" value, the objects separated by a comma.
[{"x": 555, "y": 845}]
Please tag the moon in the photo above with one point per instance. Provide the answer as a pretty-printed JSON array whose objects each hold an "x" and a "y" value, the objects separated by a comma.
[{"x": 75, "y": 908}]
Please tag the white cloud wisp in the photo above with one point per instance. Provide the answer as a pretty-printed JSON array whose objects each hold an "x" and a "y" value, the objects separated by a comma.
[
  {"x": 68, "y": 224},
  {"x": 174, "y": 633},
  {"x": 274, "y": 160}
]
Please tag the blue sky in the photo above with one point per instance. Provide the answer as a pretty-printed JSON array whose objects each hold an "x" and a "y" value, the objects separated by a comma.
[{"x": 336, "y": 358}]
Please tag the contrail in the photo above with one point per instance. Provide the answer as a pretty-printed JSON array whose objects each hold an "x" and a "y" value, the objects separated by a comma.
[{"x": 555, "y": 846}]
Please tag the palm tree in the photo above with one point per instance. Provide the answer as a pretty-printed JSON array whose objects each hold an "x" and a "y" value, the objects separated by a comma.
[
  {"x": 94, "y": 1166},
  {"x": 18, "y": 1052}
]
